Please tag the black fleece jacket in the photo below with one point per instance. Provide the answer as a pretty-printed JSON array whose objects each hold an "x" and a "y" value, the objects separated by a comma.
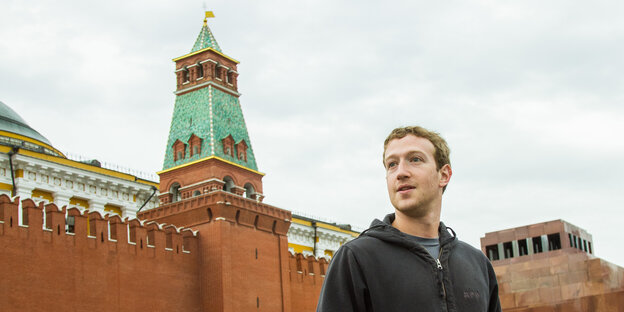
[{"x": 384, "y": 271}]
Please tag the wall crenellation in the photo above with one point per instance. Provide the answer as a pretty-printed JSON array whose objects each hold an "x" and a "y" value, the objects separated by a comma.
[
  {"x": 215, "y": 197},
  {"x": 304, "y": 268},
  {"x": 29, "y": 220},
  {"x": 222, "y": 206}
]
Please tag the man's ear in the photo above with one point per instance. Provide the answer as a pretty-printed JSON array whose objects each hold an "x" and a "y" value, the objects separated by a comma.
[{"x": 445, "y": 175}]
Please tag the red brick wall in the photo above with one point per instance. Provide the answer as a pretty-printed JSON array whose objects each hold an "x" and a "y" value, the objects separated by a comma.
[
  {"x": 306, "y": 279},
  {"x": 235, "y": 259},
  {"x": 49, "y": 270}
]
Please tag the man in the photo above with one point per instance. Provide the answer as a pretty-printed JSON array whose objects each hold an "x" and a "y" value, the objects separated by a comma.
[{"x": 411, "y": 261}]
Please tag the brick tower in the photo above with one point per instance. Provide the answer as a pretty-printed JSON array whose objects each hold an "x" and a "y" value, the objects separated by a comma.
[{"x": 210, "y": 183}]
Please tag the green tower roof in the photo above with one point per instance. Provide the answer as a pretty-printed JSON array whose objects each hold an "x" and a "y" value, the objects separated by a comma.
[
  {"x": 212, "y": 115},
  {"x": 208, "y": 119},
  {"x": 205, "y": 39}
]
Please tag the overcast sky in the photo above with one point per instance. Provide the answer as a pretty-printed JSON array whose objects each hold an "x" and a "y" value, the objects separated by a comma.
[{"x": 527, "y": 93}]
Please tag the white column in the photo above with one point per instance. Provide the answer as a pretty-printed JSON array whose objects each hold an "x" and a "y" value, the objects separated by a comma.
[
  {"x": 515, "y": 248},
  {"x": 23, "y": 191},
  {"x": 97, "y": 204},
  {"x": 501, "y": 251},
  {"x": 61, "y": 199},
  {"x": 544, "y": 243}
]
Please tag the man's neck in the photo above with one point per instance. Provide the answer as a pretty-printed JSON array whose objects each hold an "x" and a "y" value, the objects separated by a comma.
[{"x": 425, "y": 226}]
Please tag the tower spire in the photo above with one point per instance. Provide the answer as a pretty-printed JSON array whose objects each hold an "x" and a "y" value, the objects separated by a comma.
[
  {"x": 205, "y": 38},
  {"x": 208, "y": 147}
]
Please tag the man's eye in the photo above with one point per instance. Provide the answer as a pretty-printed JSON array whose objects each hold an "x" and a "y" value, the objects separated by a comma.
[
  {"x": 391, "y": 164},
  {"x": 416, "y": 159}
]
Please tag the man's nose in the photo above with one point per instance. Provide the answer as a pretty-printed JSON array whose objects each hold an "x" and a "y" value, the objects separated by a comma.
[{"x": 402, "y": 170}]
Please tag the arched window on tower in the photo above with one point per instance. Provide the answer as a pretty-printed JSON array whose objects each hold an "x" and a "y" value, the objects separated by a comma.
[
  {"x": 250, "y": 192},
  {"x": 229, "y": 184},
  {"x": 179, "y": 150},
  {"x": 200, "y": 71},
  {"x": 217, "y": 72},
  {"x": 230, "y": 77},
  {"x": 175, "y": 192},
  {"x": 228, "y": 145},
  {"x": 195, "y": 144},
  {"x": 241, "y": 150},
  {"x": 186, "y": 77}
]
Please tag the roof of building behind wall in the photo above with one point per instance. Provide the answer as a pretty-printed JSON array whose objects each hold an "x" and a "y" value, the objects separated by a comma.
[{"x": 10, "y": 121}]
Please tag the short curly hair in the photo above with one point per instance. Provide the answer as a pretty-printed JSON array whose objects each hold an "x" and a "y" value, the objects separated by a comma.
[{"x": 442, "y": 152}]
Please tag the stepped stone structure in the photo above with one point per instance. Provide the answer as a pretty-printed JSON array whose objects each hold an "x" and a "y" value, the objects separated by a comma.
[{"x": 551, "y": 266}]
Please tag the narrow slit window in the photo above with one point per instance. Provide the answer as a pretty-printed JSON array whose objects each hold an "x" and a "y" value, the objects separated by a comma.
[
  {"x": 492, "y": 252},
  {"x": 522, "y": 247},
  {"x": 200, "y": 71},
  {"x": 537, "y": 244},
  {"x": 508, "y": 248}
]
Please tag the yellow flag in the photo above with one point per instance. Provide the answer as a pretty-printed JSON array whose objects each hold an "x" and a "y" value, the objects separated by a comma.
[{"x": 209, "y": 14}]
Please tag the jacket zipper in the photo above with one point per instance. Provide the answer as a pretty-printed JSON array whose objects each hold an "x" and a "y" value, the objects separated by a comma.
[{"x": 441, "y": 274}]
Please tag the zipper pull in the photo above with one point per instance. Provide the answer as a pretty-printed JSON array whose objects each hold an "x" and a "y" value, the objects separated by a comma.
[{"x": 439, "y": 264}]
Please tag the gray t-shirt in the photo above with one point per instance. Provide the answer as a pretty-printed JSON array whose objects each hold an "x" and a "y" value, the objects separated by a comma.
[{"x": 431, "y": 244}]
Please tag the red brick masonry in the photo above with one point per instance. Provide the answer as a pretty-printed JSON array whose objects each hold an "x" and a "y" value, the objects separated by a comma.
[{"x": 234, "y": 259}]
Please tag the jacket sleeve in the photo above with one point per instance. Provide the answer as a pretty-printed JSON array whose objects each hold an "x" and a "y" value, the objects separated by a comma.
[
  {"x": 344, "y": 288},
  {"x": 494, "y": 305}
]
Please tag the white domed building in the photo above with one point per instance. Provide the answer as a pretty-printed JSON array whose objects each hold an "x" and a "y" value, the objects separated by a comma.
[{"x": 31, "y": 167}]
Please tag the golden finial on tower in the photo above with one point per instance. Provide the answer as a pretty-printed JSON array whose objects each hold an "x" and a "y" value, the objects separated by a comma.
[{"x": 208, "y": 15}]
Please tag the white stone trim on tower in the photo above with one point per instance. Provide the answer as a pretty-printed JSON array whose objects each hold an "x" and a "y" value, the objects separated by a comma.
[{"x": 212, "y": 140}]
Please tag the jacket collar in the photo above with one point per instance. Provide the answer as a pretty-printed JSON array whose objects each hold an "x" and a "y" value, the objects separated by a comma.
[{"x": 385, "y": 231}]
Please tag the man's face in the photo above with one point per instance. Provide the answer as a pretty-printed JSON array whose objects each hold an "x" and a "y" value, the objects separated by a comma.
[{"x": 414, "y": 183}]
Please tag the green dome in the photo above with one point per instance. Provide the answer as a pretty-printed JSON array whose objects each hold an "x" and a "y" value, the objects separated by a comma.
[{"x": 10, "y": 121}]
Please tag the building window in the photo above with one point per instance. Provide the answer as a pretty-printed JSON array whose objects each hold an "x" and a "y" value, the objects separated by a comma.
[
  {"x": 228, "y": 186},
  {"x": 554, "y": 242},
  {"x": 241, "y": 150},
  {"x": 508, "y": 248},
  {"x": 200, "y": 71},
  {"x": 175, "y": 192},
  {"x": 179, "y": 150},
  {"x": 228, "y": 146},
  {"x": 589, "y": 248},
  {"x": 492, "y": 252},
  {"x": 195, "y": 144},
  {"x": 69, "y": 224},
  {"x": 537, "y": 244},
  {"x": 250, "y": 192},
  {"x": 217, "y": 72},
  {"x": 185, "y": 75},
  {"x": 522, "y": 247}
]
